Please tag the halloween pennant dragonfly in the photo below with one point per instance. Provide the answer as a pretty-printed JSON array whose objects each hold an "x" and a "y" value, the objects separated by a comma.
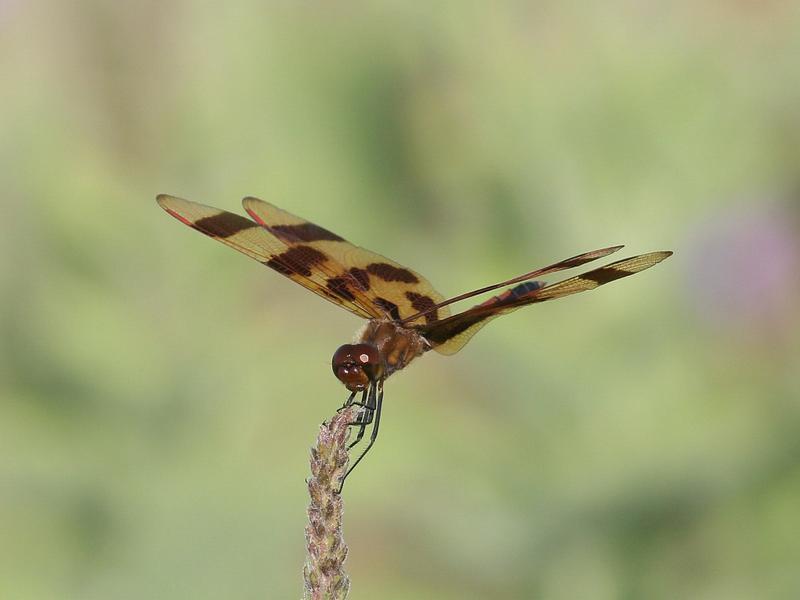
[{"x": 405, "y": 316}]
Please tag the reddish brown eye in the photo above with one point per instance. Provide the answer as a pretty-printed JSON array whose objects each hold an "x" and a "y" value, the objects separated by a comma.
[
  {"x": 356, "y": 365},
  {"x": 367, "y": 354}
]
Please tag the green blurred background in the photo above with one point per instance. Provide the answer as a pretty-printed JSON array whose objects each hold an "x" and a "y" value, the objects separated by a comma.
[{"x": 159, "y": 392}]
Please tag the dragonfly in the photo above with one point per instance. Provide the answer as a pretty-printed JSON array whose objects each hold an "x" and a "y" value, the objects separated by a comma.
[{"x": 405, "y": 316}]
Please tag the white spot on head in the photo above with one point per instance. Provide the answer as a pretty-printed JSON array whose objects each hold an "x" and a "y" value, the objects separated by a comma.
[{"x": 364, "y": 358}]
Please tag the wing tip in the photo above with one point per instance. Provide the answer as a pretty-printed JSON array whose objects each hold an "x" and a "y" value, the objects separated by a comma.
[
  {"x": 645, "y": 261},
  {"x": 249, "y": 203},
  {"x": 176, "y": 207},
  {"x": 595, "y": 254},
  {"x": 167, "y": 201},
  {"x": 251, "y": 200}
]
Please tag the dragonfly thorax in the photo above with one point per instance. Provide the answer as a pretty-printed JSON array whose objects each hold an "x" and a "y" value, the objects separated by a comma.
[{"x": 397, "y": 345}]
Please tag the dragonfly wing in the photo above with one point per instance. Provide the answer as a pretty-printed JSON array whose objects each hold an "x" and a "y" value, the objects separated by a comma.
[
  {"x": 303, "y": 263},
  {"x": 449, "y": 335},
  {"x": 390, "y": 289}
]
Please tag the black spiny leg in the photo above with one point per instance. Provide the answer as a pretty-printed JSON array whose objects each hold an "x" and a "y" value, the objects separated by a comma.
[
  {"x": 374, "y": 435},
  {"x": 364, "y": 418},
  {"x": 347, "y": 402}
]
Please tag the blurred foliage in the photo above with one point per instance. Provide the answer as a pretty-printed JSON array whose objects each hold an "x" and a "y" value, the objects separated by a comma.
[{"x": 158, "y": 393}]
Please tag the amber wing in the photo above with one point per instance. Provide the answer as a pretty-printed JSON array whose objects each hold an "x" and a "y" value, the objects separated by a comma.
[
  {"x": 449, "y": 335},
  {"x": 388, "y": 288},
  {"x": 567, "y": 263},
  {"x": 365, "y": 283}
]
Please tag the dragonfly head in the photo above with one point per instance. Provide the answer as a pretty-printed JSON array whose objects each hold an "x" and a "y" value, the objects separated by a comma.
[{"x": 357, "y": 365}]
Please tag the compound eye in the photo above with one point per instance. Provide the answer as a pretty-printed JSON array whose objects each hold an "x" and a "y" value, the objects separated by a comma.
[
  {"x": 365, "y": 354},
  {"x": 343, "y": 356},
  {"x": 356, "y": 365}
]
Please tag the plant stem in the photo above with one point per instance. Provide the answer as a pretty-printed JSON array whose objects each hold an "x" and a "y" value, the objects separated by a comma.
[{"x": 323, "y": 574}]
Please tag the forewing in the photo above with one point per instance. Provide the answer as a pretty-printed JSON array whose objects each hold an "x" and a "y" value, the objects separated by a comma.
[
  {"x": 304, "y": 263},
  {"x": 449, "y": 335},
  {"x": 386, "y": 287}
]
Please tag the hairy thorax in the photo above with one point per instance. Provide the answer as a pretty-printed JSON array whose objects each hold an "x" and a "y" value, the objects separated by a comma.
[{"x": 397, "y": 345}]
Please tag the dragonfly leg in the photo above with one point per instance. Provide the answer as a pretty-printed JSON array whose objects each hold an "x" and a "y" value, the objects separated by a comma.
[
  {"x": 347, "y": 402},
  {"x": 364, "y": 417},
  {"x": 374, "y": 435}
]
